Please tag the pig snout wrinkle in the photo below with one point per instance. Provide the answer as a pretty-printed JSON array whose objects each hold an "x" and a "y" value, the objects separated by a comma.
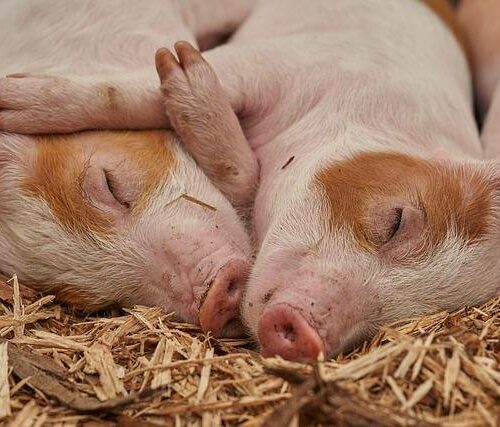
[
  {"x": 219, "y": 312},
  {"x": 285, "y": 332}
]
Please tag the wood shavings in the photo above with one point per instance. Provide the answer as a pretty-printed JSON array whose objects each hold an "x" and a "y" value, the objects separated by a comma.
[
  {"x": 419, "y": 394},
  {"x": 138, "y": 367},
  {"x": 4, "y": 382},
  {"x": 18, "y": 308},
  {"x": 163, "y": 356},
  {"x": 204, "y": 375},
  {"x": 100, "y": 360},
  {"x": 451, "y": 375}
]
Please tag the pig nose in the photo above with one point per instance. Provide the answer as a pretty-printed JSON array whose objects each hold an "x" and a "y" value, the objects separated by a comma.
[
  {"x": 220, "y": 311},
  {"x": 283, "y": 331}
]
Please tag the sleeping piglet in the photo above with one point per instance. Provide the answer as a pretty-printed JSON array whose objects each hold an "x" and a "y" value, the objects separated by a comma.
[
  {"x": 121, "y": 217},
  {"x": 373, "y": 205}
]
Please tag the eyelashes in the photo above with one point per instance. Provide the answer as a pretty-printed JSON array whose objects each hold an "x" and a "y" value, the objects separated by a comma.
[
  {"x": 396, "y": 224},
  {"x": 385, "y": 223},
  {"x": 112, "y": 185}
]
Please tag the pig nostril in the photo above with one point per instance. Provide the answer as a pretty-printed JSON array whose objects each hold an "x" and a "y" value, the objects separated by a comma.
[
  {"x": 232, "y": 288},
  {"x": 287, "y": 331},
  {"x": 284, "y": 331},
  {"x": 220, "y": 308}
]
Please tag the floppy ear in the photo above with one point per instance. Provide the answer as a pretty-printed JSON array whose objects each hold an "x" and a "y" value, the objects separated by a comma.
[{"x": 490, "y": 134}]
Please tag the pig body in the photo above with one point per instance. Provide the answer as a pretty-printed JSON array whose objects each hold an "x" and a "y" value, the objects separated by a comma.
[
  {"x": 125, "y": 218},
  {"x": 481, "y": 24},
  {"x": 384, "y": 211},
  {"x": 372, "y": 204}
]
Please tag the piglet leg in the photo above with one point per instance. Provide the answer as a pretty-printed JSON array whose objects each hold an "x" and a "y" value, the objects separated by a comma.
[
  {"x": 55, "y": 104},
  {"x": 201, "y": 114}
]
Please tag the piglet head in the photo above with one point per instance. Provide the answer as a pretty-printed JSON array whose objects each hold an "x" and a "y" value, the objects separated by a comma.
[
  {"x": 373, "y": 239},
  {"x": 125, "y": 218}
]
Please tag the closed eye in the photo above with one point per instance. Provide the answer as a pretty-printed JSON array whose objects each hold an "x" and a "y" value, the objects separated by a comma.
[
  {"x": 385, "y": 224},
  {"x": 111, "y": 183},
  {"x": 396, "y": 224}
]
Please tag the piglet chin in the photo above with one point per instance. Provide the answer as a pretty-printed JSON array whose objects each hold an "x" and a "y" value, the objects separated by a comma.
[
  {"x": 220, "y": 311},
  {"x": 285, "y": 332}
]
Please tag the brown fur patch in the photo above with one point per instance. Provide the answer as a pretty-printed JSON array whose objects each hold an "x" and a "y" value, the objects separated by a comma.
[
  {"x": 148, "y": 152},
  {"x": 57, "y": 178},
  {"x": 59, "y": 167},
  {"x": 444, "y": 10},
  {"x": 455, "y": 197}
]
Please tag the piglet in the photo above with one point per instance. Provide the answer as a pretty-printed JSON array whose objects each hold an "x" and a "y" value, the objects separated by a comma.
[
  {"x": 373, "y": 204},
  {"x": 122, "y": 218}
]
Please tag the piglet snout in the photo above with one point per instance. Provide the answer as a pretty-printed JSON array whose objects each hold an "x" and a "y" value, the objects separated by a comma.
[
  {"x": 220, "y": 311},
  {"x": 283, "y": 331}
]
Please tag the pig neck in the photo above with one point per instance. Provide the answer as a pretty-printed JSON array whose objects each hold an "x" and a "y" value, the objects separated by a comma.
[
  {"x": 293, "y": 108},
  {"x": 368, "y": 115}
]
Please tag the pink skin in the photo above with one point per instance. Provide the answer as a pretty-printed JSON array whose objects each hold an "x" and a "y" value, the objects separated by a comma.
[
  {"x": 284, "y": 331},
  {"x": 310, "y": 89},
  {"x": 215, "y": 270},
  {"x": 480, "y": 24},
  {"x": 181, "y": 256},
  {"x": 221, "y": 309},
  {"x": 480, "y": 21},
  {"x": 309, "y": 306},
  {"x": 490, "y": 134},
  {"x": 202, "y": 116}
]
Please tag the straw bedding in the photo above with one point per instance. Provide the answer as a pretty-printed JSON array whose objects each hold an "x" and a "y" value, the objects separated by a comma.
[{"x": 140, "y": 368}]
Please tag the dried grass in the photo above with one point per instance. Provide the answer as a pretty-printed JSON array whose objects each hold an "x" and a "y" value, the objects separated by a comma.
[{"x": 140, "y": 368}]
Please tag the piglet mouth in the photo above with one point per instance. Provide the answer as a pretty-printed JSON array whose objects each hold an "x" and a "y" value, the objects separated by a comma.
[{"x": 220, "y": 307}]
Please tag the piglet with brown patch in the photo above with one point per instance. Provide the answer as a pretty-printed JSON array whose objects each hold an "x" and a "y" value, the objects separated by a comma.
[
  {"x": 372, "y": 204},
  {"x": 113, "y": 217}
]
